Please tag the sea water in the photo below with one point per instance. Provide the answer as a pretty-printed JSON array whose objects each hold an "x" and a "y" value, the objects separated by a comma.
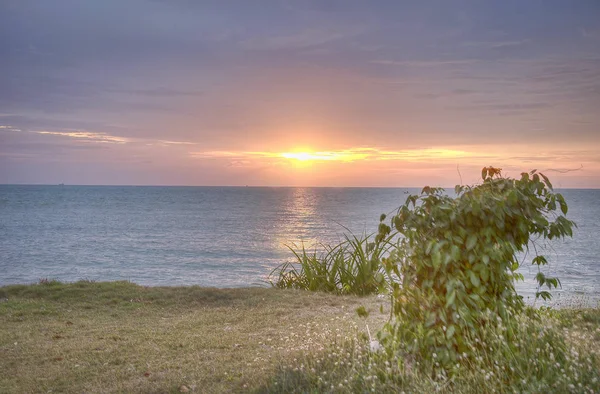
[{"x": 223, "y": 236}]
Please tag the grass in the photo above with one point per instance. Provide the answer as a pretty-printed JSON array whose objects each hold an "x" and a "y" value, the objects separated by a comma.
[
  {"x": 553, "y": 352},
  {"x": 349, "y": 267},
  {"x": 120, "y": 337}
]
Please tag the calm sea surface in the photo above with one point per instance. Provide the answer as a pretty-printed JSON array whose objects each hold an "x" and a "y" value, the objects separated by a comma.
[{"x": 220, "y": 236}]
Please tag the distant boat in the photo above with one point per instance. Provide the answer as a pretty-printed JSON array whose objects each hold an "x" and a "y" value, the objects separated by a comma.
[{"x": 61, "y": 184}]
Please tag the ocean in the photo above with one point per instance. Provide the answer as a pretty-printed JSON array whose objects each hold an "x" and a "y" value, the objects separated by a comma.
[{"x": 223, "y": 236}]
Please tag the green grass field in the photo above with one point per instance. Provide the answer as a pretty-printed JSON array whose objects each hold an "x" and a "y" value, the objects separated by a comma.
[{"x": 120, "y": 337}]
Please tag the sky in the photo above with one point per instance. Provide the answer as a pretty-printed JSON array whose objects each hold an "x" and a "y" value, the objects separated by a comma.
[{"x": 298, "y": 93}]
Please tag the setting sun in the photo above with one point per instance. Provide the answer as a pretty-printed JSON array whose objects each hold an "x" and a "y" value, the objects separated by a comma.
[
  {"x": 304, "y": 156},
  {"x": 324, "y": 156}
]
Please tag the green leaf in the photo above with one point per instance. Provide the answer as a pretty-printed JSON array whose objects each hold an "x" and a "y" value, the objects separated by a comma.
[
  {"x": 436, "y": 259},
  {"x": 512, "y": 197},
  {"x": 474, "y": 297},
  {"x": 518, "y": 277},
  {"x": 485, "y": 274},
  {"x": 474, "y": 278},
  {"x": 563, "y": 205},
  {"x": 450, "y": 331},
  {"x": 544, "y": 294},
  {"x": 455, "y": 252},
  {"x": 429, "y": 247},
  {"x": 430, "y": 319},
  {"x": 450, "y": 297},
  {"x": 471, "y": 241},
  {"x": 541, "y": 278},
  {"x": 546, "y": 180}
]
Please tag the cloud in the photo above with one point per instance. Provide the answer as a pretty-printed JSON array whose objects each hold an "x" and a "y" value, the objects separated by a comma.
[
  {"x": 422, "y": 156},
  {"x": 497, "y": 44},
  {"x": 463, "y": 92},
  {"x": 504, "y": 108},
  {"x": 99, "y": 137},
  {"x": 166, "y": 142},
  {"x": 590, "y": 33},
  {"x": 348, "y": 155},
  {"x": 9, "y": 128},
  {"x": 304, "y": 39},
  {"x": 218, "y": 154},
  {"x": 158, "y": 92},
  {"x": 87, "y": 136},
  {"x": 425, "y": 63},
  {"x": 239, "y": 163}
]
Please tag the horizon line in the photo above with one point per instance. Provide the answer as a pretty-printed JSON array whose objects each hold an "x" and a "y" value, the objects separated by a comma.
[{"x": 262, "y": 186}]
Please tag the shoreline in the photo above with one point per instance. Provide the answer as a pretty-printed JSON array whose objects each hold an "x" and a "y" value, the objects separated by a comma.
[{"x": 560, "y": 299}]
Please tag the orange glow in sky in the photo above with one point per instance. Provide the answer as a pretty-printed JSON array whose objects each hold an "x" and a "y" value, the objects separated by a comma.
[
  {"x": 372, "y": 166},
  {"x": 324, "y": 156}
]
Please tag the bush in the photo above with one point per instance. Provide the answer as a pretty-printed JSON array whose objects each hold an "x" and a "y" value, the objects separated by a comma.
[{"x": 455, "y": 262}]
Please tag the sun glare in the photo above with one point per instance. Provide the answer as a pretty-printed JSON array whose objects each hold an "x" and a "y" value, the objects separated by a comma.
[
  {"x": 305, "y": 156},
  {"x": 323, "y": 156}
]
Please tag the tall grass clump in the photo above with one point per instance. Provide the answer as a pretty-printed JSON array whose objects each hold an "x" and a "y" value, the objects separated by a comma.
[{"x": 353, "y": 266}]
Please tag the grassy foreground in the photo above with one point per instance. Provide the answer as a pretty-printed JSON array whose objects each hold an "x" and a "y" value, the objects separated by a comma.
[{"x": 120, "y": 337}]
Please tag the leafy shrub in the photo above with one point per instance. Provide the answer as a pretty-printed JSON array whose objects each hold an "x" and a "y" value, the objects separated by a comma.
[
  {"x": 455, "y": 261},
  {"x": 350, "y": 267}
]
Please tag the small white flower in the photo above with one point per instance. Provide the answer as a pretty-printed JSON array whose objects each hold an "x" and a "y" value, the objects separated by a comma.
[{"x": 374, "y": 345}]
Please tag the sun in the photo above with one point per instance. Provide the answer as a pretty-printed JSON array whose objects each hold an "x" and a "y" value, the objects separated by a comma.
[{"x": 305, "y": 156}]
